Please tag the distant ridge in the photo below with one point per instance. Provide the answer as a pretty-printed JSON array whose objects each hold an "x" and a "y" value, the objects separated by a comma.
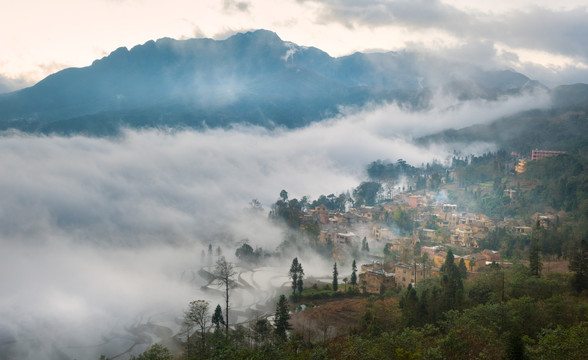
[
  {"x": 564, "y": 126},
  {"x": 252, "y": 77}
]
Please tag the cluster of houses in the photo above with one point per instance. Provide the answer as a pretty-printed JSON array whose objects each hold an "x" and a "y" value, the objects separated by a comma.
[
  {"x": 436, "y": 223},
  {"x": 376, "y": 277}
]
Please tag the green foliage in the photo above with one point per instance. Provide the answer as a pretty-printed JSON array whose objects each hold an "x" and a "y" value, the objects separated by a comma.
[
  {"x": 562, "y": 343},
  {"x": 353, "y": 273},
  {"x": 246, "y": 253},
  {"x": 289, "y": 211},
  {"x": 451, "y": 282},
  {"x": 364, "y": 245},
  {"x": 155, "y": 352},
  {"x": 403, "y": 219},
  {"x": 563, "y": 183},
  {"x": 335, "y": 279},
  {"x": 365, "y": 193},
  {"x": 282, "y": 317},
  {"x": 296, "y": 273},
  {"x": 217, "y": 317},
  {"x": 332, "y": 202},
  {"x": 579, "y": 265},
  {"x": 380, "y": 170},
  {"x": 535, "y": 264},
  {"x": 463, "y": 270}
]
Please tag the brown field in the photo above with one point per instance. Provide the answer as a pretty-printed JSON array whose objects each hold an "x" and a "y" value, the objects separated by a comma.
[{"x": 332, "y": 318}]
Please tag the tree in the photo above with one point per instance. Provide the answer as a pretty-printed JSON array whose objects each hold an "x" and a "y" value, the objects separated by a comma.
[
  {"x": 387, "y": 251},
  {"x": 155, "y": 352},
  {"x": 335, "y": 281},
  {"x": 284, "y": 195},
  {"x": 281, "y": 319},
  {"x": 364, "y": 245},
  {"x": 256, "y": 206},
  {"x": 535, "y": 264},
  {"x": 296, "y": 273},
  {"x": 353, "y": 273},
  {"x": 579, "y": 265},
  {"x": 217, "y": 318},
  {"x": 197, "y": 315},
  {"x": 463, "y": 269},
  {"x": 409, "y": 304},
  {"x": 223, "y": 277},
  {"x": 366, "y": 192},
  {"x": 262, "y": 329},
  {"x": 345, "y": 280},
  {"x": 451, "y": 282},
  {"x": 245, "y": 252}
]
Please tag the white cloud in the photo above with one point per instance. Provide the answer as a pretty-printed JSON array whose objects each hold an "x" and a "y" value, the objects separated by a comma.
[{"x": 109, "y": 232}]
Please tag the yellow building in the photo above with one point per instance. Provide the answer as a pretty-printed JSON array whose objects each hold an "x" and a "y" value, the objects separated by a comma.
[{"x": 521, "y": 167}]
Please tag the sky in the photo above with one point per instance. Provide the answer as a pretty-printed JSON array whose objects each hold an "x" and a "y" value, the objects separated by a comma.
[
  {"x": 108, "y": 232},
  {"x": 545, "y": 40}
]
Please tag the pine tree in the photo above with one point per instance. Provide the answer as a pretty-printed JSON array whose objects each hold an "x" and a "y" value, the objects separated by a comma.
[
  {"x": 410, "y": 306},
  {"x": 364, "y": 245},
  {"x": 535, "y": 264},
  {"x": 451, "y": 282},
  {"x": 335, "y": 281},
  {"x": 353, "y": 273},
  {"x": 281, "y": 318},
  {"x": 296, "y": 273},
  {"x": 217, "y": 318},
  {"x": 579, "y": 265},
  {"x": 463, "y": 269},
  {"x": 293, "y": 274}
]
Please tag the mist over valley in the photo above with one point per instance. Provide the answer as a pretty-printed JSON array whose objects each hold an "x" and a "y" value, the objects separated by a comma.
[{"x": 117, "y": 177}]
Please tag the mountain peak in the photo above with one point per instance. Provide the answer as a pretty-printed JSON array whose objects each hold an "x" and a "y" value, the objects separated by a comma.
[{"x": 253, "y": 77}]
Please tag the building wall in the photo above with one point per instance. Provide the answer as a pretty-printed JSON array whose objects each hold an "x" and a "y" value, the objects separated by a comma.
[{"x": 374, "y": 282}]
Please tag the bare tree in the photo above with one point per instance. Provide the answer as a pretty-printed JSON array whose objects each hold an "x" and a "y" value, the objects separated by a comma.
[
  {"x": 197, "y": 315},
  {"x": 223, "y": 277}
]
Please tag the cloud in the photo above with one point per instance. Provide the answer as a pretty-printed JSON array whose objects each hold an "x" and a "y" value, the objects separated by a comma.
[
  {"x": 233, "y": 5},
  {"x": 101, "y": 238},
  {"x": 8, "y": 84},
  {"x": 562, "y": 32}
]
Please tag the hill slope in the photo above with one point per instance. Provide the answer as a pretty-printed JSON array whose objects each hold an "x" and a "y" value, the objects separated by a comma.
[{"x": 252, "y": 77}]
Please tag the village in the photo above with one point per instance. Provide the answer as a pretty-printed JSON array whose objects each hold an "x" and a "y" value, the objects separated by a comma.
[{"x": 393, "y": 258}]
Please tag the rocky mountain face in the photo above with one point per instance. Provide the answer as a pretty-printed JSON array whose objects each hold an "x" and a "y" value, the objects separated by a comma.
[{"x": 253, "y": 77}]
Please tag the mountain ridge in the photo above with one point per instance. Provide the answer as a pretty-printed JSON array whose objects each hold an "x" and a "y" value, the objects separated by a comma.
[{"x": 252, "y": 77}]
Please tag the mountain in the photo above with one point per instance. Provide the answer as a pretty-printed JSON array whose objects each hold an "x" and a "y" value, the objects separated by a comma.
[
  {"x": 564, "y": 126},
  {"x": 252, "y": 77}
]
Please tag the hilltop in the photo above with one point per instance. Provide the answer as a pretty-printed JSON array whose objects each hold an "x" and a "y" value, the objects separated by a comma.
[{"x": 254, "y": 78}]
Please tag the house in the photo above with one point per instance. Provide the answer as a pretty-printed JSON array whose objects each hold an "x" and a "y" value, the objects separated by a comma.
[
  {"x": 344, "y": 238},
  {"x": 475, "y": 262},
  {"x": 416, "y": 201},
  {"x": 429, "y": 234},
  {"x": 540, "y": 154},
  {"x": 374, "y": 266},
  {"x": 491, "y": 255},
  {"x": 320, "y": 214},
  {"x": 376, "y": 281},
  {"x": 524, "y": 230},
  {"x": 411, "y": 274},
  {"x": 449, "y": 208},
  {"x": 382, "y": 233},
  {"x": 326, "y": 237},
  {"x": 462, "y": 236}
]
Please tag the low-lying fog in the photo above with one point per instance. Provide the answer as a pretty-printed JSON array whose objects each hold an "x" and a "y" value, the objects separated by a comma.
[{"x": 100, "y": 237}]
